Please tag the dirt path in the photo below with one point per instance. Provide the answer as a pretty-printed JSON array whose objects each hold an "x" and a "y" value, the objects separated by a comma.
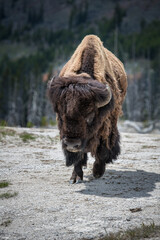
[{"x": 47, "y": 207}]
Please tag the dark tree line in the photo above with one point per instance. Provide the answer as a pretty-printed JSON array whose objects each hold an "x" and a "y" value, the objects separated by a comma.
[{"x": 23, "y": 93}]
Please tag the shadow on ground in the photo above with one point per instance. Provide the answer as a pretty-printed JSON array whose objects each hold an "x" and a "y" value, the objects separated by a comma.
[{"x": 122, "y": 184}]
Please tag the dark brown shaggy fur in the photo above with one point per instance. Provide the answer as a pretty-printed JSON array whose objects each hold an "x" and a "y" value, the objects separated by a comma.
[{"x": 75, "y": 94}]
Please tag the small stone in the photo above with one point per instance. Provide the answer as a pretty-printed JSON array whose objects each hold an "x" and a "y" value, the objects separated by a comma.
[{"x": 133, "y": 210}]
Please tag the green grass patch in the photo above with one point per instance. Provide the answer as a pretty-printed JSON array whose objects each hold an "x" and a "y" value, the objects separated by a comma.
[
  {"x": 144, "y": 146},
  {"x": 52, "y": 123},
  {"x": 8, "y": 195},
  {"x": 29, "y": 125},
  {"x": 144, "y": 231},
  {"x": 147, "y": 147},
  {"x": 4, "y": 184},
  {"x": 157, "y": 139},
  {"x": 44, "y": 122},
  {"x": 3, "y": 123},
  {"x": 6, "y": 132},
  {"x": 54, "y": 140},
  {"x": 26, "y": 137}
]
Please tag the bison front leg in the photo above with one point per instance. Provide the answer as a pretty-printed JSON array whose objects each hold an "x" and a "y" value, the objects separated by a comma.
[{"x": 77, "y": 174}]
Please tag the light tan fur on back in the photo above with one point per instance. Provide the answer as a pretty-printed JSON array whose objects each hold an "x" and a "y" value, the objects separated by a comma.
[{"x": 105, "y": 62}]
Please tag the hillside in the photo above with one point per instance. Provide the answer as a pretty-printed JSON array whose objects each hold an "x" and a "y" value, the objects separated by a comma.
[
  {"x": 48, "y": 14},
  {"x": 38, "y": 37}
]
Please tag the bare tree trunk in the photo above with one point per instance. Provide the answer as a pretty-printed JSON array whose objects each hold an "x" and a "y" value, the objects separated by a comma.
[{"x": 116, "y": 41}]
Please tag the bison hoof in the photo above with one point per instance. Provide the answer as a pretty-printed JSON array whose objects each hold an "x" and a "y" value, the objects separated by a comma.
[
  {"x": 75, "y": 180},
  {"x": 79, "y": 181},
  {"x": 98, "y": 170},
  {"x": 97, "y": 175},
  {"x": 72, "y": 181}
]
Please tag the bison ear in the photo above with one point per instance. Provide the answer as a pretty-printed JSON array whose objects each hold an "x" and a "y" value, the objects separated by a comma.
[
  {"x": 50, "y": 82},
  {"x": 104, "y": 96},
  {"x": 50, "y": 88},
  {"x": 102, "y": 93}
]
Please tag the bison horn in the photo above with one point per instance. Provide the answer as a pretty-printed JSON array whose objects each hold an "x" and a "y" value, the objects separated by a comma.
[{"x": 107, "y": 99}]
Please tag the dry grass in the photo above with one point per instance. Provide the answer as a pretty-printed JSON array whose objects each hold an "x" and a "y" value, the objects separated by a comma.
[
  {"x": 142, "y": 232},
  {"x": 26, "y": 137},
  {"x": 54, "y": 140},
  {"x": 4, "y": 184},
  {"x": 148, "y": 147},
  {"x": 8, "y": 195},
  {"x": 6, "y": 132},
  {"x": 6, "y": 223}
]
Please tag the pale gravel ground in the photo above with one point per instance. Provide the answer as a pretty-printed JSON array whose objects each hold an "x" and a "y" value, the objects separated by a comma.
[{"x": 47, "y": 207}]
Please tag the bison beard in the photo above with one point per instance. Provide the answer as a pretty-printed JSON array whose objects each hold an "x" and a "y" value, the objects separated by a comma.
[
  {"x": 87, "y": 97},
  {"x": 72, "y": 157}
]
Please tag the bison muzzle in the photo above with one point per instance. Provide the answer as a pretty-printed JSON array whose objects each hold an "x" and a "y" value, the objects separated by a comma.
[{"x": 87, "y": 97}]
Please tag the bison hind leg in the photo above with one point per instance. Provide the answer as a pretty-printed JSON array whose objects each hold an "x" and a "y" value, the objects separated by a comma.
[
  {"x": 98, "y": 169},
  {"x": 84, "y": 160},
  {"x": 103, "y": 156}
]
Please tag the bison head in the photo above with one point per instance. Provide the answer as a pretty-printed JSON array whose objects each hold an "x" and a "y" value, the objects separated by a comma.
[{"x": 81, "y": 104}]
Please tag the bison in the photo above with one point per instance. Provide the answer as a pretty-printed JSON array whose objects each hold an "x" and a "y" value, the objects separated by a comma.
[{"x": 87, "y": 97}]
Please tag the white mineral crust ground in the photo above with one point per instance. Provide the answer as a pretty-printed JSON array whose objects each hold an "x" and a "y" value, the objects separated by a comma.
[{"x": 47, "y": 207}]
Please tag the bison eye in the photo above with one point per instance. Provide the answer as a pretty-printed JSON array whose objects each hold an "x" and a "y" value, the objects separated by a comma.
[{"x": 90, "y": 118}]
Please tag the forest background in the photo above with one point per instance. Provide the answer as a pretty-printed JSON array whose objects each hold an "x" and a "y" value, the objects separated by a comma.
[{"x": 37, "y": 37}]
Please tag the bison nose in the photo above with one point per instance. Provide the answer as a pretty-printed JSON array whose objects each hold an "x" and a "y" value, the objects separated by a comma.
[{"x": 72, "y": 144}]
